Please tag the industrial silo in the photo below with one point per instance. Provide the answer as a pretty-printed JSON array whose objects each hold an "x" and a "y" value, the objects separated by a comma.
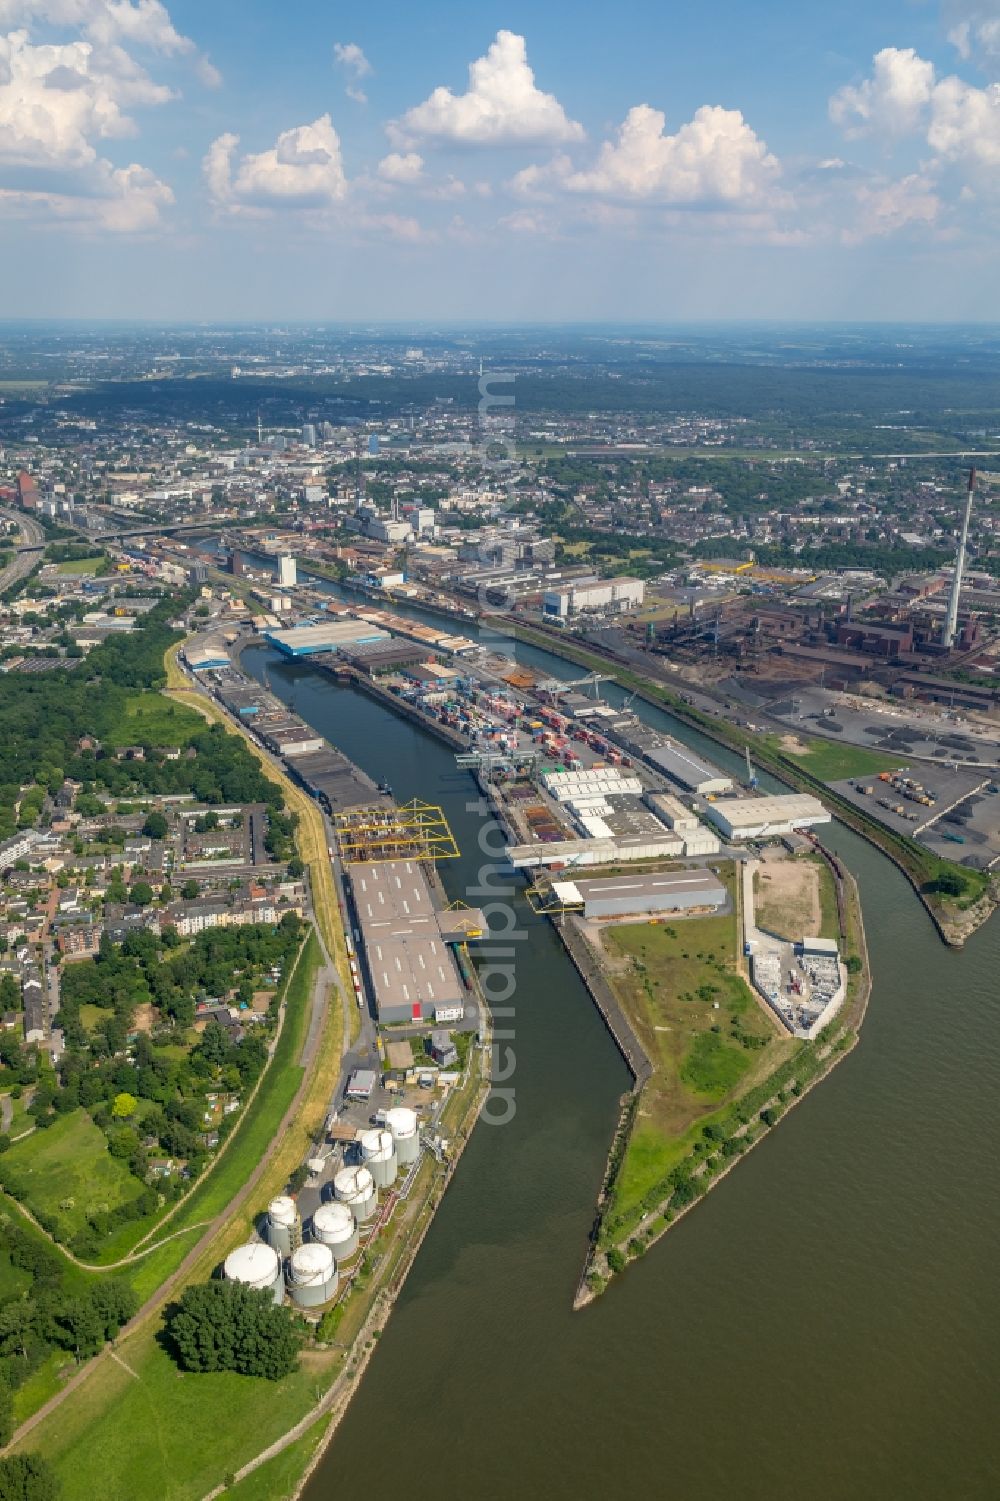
[
  {"x": 378, "y": 1153},
  {"x": 255, "y": 1265},
  {"x": 283, "y": 1230},
  {"x": 355, "y": 1187},
  {"x": 402, "y": 1124},
  {"x": 333, "y": 1225},
  {"x": 312, "y": 1275}
]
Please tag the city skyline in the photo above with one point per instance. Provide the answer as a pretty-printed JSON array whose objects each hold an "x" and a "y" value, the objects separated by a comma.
[{"x": 160, "y": 162}]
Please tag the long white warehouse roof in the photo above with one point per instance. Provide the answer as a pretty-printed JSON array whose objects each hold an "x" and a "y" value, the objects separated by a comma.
[{"x": 793, "y": 809}]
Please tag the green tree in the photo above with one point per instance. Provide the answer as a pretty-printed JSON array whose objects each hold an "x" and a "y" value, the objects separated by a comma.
[
  {"x": 155, "y": 826},
  {"x": 28, "y": 1477},
  {"x": 124, "y": 1106},
  {"x": 141, "y": 894},
  {"x": 224, "y": 1326}
]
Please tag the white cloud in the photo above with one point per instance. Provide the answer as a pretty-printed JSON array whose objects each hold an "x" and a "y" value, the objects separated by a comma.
[
  {"x": 123, "y": 200},
  {"x": 110, "y": 25},
  {"x": 892, "y": 101},
  {"x": 965, "y": 124},
  {"x": 715, "y": 158},
  {"x": 958, "y": 121},
  {"x": 56, "y": 101},
  {"x": 502, "y": 107},
  {"x": 399, "y": 167},
  {"x": 885, "y": 208},
  {"x": 350, "y": 57},
  {"x": 975, "y": 31},
  {"x": 303, "y": 169}
]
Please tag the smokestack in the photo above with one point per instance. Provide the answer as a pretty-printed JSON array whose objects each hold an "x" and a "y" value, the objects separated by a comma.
[{"x": 951, "y": 624}]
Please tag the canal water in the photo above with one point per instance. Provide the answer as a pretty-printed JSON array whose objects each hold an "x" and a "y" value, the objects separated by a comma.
[{"x": 826, "y": 1324}]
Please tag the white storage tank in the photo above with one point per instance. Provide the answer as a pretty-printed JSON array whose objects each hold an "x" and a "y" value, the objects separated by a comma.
[
  {"x": 312, "y": 1275},
  {"x": 402, "y": 1123},
  {"x": 378, "y": 1152},
  {"x": 333, "y": 1225},
  {"x": 355, "y": 1187},
  {"x": 256, "y": 1265},
  {"x": 282, "y": 1230}
]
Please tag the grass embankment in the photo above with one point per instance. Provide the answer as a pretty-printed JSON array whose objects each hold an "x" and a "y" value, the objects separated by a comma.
[
  {"x": 279, "y": 1478},
  {"x": 920, "y": 865},
  {"x": 311, "y": 836},
  {"x": 705, "y": 1034}
]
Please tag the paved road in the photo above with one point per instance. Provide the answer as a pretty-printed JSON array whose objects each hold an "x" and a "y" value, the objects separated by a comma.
[{"x": 32, "y": 536}]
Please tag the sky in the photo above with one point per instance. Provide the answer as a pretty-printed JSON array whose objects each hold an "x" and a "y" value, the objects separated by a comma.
[{"x": 555, "y": 161}]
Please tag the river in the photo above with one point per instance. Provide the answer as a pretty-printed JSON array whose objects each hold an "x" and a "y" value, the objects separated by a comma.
[{"x": 825, "y": 1324}]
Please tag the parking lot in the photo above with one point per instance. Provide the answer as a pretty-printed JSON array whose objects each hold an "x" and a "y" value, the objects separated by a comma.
[{"x": 966, "y": 817}]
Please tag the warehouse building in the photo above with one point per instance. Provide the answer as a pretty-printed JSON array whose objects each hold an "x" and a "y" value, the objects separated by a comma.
[
  {"x": 371, "y": 657},
  {"x": 671, "y": 811},
  {"x": 412, "y": 971},
  {"x": 603, "y": 851},
  {"x": 687, "y": 770},
  {"x": 766, "y": 817},
  {"x": 327, "y": 635},
  {"x": 292, "y": 738},
  {"x": 627, "y": 896}
]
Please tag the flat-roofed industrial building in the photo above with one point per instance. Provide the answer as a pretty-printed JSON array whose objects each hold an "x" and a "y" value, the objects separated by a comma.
[
  {"x": 688, "y": 770},
  {"x": 325, "y": 636},
  {"x": 671, "y": 811},
  {"x": 412, "y": 971},
  {"x": 766, "y": 817},
  {"x": 626, "y": 896}
]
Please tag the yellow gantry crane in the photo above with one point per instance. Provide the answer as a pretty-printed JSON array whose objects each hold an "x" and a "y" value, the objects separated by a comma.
[{"x": 413, "y": 831}]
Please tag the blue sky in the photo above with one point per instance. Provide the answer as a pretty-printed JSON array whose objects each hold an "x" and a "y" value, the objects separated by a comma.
[{"x": 235, "y": 159}]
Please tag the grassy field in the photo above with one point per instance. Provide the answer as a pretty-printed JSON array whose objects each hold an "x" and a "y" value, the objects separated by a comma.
[
  {"x": 81, "y": 565},
  {"x": 154, "y": 719},
  {"x": 66, "y": 1172},
  {"x": 832, "y": 762},
  {"x": 691, "y": 1010},
  {"x": 13, "y": 1280},
  {"x": 153, "y": 1433},
  {"x": 277, "y": 1479}
]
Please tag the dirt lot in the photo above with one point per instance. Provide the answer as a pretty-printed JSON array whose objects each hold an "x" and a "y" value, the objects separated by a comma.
[{"x": 787, "y": 899}]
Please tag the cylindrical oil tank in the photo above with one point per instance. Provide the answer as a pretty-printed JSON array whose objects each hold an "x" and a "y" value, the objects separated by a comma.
[
  {"x": 333, "y": 1225},
  {"x": 282, "y": 1225},
  {"x": 256, "y": 1265},
  {"x": 402, "y": 1124},
  {"x": 378, "y": 1153},
  {"x": 355, "y": 1187},
  {"x": 312, "y": 1275}
]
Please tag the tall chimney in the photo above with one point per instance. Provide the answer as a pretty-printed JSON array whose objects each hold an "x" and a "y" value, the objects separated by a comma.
[{"x": 951, "y": 624}]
